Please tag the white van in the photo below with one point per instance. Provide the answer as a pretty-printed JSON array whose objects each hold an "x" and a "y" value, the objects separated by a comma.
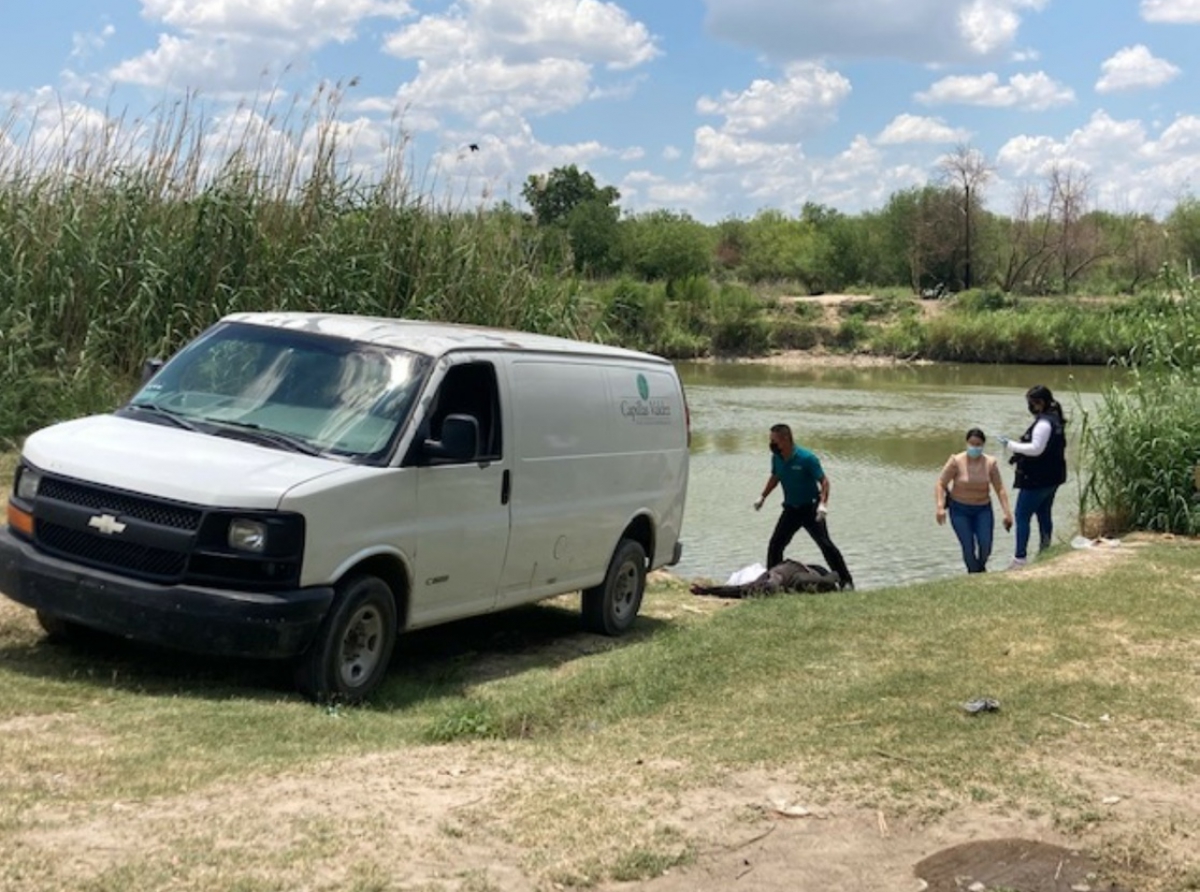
[{"x": 306, "y": 487}]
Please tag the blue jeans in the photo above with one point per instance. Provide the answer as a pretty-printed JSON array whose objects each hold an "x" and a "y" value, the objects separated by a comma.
[
  {"x": 974, "y": 525},
  {"x": 1030, "y": 503}
]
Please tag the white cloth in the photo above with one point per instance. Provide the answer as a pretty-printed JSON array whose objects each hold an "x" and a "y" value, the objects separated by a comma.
[{"x": 747, "y": 574}]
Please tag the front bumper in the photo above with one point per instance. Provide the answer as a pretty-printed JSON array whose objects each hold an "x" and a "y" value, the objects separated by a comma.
[{"x": 200, "y": 620}]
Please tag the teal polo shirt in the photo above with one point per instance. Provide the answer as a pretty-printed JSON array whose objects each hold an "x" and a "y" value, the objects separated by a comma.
[{"x": 800, "y": 475}]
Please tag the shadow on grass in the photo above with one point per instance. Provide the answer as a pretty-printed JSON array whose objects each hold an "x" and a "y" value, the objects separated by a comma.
[{"x": 428, "y": 664}]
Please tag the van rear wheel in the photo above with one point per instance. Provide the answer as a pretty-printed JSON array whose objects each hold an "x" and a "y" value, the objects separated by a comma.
[
  {"x": 350, "y": 654},
  {"x": 611, "y": 607}
]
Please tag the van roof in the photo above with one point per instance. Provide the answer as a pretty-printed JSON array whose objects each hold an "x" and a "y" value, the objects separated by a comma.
[{"x": 431, "y": 338}]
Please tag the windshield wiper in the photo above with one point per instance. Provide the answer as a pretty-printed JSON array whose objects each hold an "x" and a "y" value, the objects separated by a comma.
[
  {"x": 258, "y": 434},
  {"x": 174, "y": 418}
]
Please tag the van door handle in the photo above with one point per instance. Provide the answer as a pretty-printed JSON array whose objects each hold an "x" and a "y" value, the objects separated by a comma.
[{"x": 505, "y": 487}]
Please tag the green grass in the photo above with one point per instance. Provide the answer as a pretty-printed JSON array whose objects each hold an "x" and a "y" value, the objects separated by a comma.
[{"x": 859, "y": 694}]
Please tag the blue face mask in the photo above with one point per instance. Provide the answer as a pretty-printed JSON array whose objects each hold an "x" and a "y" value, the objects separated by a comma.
[{"x": 974, "y": 451}]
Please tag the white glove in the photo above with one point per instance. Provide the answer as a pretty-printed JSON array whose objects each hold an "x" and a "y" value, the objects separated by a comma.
[
  {"x": 822, "y": 510},
  {"x": 758, "y": 503},
  {"x": 1003, "y": 442}
]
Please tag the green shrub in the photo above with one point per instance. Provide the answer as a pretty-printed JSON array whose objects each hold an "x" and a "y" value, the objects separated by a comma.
[
  {"x": 789, "y": 333},
  {"x": 851, "y": 333},
  {"x": 983, "y": 300}
]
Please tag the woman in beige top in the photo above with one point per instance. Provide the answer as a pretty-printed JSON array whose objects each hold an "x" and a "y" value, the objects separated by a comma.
[{"x": 963, "y": 487}]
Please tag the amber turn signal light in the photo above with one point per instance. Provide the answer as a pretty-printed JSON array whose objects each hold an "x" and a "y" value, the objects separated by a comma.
[{"x": 21, "y": 521}]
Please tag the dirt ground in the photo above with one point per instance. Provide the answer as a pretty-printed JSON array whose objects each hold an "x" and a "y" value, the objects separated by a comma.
[{"x": 444, "y": 808}]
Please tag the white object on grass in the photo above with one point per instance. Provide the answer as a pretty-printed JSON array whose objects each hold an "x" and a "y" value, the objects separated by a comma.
[{"x": 747, "y": 574}]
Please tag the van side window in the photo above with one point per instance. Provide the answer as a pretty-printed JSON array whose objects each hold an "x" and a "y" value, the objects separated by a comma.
[{"x": 469, "y": 389}]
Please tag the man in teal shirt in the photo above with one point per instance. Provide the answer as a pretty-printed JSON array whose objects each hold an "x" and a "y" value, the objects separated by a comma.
[{"x": 805, "y": 501}]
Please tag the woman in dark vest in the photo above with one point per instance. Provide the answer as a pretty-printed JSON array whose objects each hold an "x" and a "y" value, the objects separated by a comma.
[{"x": 1041, "y": 463}]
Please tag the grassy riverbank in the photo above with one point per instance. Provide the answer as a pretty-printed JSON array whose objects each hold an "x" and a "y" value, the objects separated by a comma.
[{"x": 517, "y": 753}]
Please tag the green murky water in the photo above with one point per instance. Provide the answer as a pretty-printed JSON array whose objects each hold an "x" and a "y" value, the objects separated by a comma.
[{"x": 882, "y": 435}]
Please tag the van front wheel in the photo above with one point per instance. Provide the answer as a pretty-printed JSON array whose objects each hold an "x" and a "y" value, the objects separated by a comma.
[
  {"x": 611, "y": 607},
  {"x": 350, "y": 654}
]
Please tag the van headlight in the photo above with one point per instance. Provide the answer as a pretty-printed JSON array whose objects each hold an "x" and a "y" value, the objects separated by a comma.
[
  {"x": 28, "y": 481},
  {"x": 248, "y": 535}
]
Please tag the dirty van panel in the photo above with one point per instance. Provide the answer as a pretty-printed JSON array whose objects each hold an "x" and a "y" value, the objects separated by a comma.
[{"x": 585, "y": 466}]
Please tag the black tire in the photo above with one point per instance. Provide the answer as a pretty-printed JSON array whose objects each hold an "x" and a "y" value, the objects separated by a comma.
[
  {"x": 62, "y": 631},
  {"x": 350, "y": 654},
  {"x": 611, "y": 607}
]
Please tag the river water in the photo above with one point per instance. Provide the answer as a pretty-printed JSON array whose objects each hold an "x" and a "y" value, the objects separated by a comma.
[{"x": 882, "y": 434}]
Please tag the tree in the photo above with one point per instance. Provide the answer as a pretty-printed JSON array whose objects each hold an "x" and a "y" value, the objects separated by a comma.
[
  {"x": 1079, "y": 242},
  {"x": 921, "y": 225},
  {"x": 1183, "y": 225},
  {"x": 594, "y": 234},
  {"x": 967, "y": 171},
  {"x": 569, "y": 199},
  {"x": 554, "y": 195},
  {"x": 668, "y": 246}
]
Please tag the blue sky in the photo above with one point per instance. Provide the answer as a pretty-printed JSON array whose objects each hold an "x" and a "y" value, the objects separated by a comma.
[{"x": 713, "y": 107}]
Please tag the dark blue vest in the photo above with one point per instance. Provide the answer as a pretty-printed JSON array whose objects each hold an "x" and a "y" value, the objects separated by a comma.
[{"x": 1049, "y": 468}]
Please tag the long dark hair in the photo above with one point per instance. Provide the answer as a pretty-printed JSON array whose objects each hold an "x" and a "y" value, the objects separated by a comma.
[{"x": 1042, "y": 392}]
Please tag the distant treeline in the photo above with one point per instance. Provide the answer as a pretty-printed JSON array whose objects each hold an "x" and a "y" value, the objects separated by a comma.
[{"x": 927, "y": 239}]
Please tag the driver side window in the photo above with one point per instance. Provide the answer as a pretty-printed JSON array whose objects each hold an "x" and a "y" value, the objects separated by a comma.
[{"x": 469, "y": 389}]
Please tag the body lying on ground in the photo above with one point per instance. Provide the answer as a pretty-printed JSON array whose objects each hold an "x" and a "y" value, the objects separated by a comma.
[{"x": 786, "y": 576}]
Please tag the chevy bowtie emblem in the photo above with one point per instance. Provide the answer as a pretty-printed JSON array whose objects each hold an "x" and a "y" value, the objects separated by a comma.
[{"x": 106, "y": 524}]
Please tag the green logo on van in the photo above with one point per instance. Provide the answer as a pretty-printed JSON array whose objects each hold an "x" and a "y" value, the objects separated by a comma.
[{"x": 643, "y": 387}]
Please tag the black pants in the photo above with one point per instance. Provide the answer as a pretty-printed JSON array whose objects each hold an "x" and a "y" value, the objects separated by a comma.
[{"x": 791, "y": 521}]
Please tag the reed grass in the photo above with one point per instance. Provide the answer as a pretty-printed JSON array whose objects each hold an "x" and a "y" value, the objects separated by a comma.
[
  {"x": 125, "y": 242},
  {"x": 1143, "y": 446}
]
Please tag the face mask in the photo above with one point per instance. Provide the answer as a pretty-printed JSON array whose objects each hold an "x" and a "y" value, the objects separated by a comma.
[
  {"x": 775, "y": 448},
  {"x": 1033, "y": 410},
  {"x": 974, "y": 451}
]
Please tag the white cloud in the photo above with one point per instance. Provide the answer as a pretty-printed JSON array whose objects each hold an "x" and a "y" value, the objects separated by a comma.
[
  {"x": 908, "y": 128},
  {"x": 672, "y": 153},
  {"x": 311, "y": 22},
  {"x": 633, "y": 153},
  {"x": 918, "y": 30},
  {"x": 1135, "y": 67},
  {"x": 473, "y": 87},
  {"x": 805, "y": 100},
  {"x": 1180, "y": 139},
  {"x": 590, "y": 31},
  {"x": 84, "y": 44},
  {"x": 529, "y": 57},
  {"x": 646, "y": 190},
  {"x": 1171, "y": 11},
  {"x": 721, "y": 150},
  {"x": 1128, "y": 168},
  {"x": 228, "y": 45},
  {"x": 1032, "y": 92}
]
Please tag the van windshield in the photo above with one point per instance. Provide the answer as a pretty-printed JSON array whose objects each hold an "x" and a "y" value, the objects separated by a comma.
[{"x": 286, "y": 389}]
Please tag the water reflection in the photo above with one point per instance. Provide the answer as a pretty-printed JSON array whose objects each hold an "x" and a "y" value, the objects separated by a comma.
[{"x": 882, "y": 434}]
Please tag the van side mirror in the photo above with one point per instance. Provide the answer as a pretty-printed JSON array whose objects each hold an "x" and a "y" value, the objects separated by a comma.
[
  {"x": 459, "y": 442},
  {"x": 150, "y": 368}
]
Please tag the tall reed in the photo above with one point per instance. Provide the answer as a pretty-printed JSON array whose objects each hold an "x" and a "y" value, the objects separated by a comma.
[
  {"x": 1143, "y": 447},
  {"x": 126, "y": 240}
]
